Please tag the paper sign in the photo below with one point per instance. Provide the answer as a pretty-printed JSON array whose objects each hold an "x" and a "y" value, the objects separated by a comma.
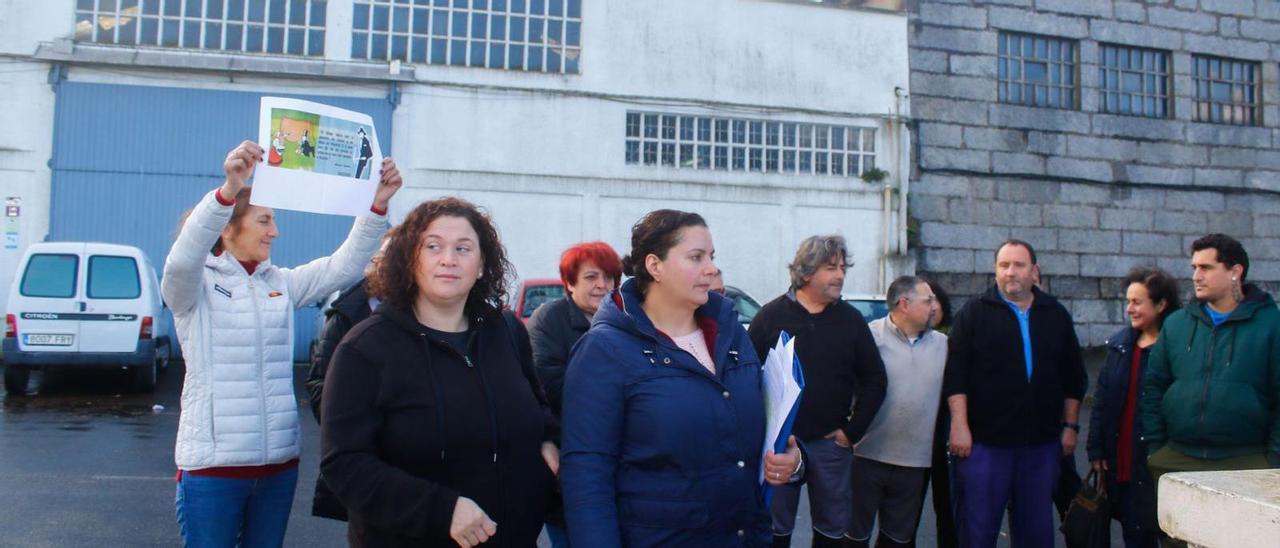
[
  {"x": 783, "y": 385},
  {"x": 319, "y": 158}
]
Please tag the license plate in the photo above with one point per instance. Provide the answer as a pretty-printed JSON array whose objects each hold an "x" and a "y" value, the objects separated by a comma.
[{"x": 46, "y": 339}]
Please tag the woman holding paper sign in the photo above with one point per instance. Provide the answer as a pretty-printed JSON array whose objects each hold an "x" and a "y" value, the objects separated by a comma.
[
  {"x": 664, "y": 415},
  {"x": 238, "y": 437}
]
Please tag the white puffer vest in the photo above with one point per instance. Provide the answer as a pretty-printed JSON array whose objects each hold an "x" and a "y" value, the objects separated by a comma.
[{"x": 236, "y": 330}]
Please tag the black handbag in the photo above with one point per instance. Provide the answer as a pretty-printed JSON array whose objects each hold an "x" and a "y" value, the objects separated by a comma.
[{"x": 1087, "y": 523}]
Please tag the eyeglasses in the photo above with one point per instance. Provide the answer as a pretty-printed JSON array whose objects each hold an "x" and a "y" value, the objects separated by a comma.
[{"x": 930, "y": 300}]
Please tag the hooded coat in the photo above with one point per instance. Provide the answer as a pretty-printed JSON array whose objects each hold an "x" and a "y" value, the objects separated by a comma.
[
  {"x": 659, "y": 451},
  {"x": 1214, "y": 392}
]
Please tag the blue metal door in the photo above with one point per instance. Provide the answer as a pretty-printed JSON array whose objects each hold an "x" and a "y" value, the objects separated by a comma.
[{"x": 128, "y": 160}]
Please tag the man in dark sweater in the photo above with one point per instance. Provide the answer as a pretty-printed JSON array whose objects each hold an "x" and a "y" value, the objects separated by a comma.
[
  {"x": 1014, "y": 381},
  {"x": 841, "y": 365}
]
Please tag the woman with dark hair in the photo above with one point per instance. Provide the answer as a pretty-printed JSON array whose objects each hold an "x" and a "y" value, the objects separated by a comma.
[
  {"x": 942, "y": 318},
  {"x": 590, "y": 271},
  {"x": 1114, "y": 444},
  {"x": 238, "y": 436},
  {"x": 663, "y": 408},
  {"x": 435, "y": 428}
]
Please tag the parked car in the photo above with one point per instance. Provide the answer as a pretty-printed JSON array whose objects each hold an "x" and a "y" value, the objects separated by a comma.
[
  {"x": 84, "y": 304},
  {"x": 872, "y": 307},
  {"x": 535, "y": 292},
  {"x": 746, "y": 304}
]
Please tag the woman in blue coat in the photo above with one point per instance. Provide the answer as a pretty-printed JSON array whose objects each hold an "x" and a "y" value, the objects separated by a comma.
[
  {"x": 1115, "y": 428},
  {"x": 663, "y": 411}
]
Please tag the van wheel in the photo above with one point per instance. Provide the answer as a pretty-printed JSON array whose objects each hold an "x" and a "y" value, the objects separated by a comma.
[
  {"x": 15, "y": 379},
  {"x": 164, "y": 353},
  {"x": 144, "y": 378}
]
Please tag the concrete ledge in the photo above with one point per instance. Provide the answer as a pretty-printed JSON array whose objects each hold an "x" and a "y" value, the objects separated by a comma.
[
  {"x": 66, "y": 51},
  {"x": 1239, "y": 509}
]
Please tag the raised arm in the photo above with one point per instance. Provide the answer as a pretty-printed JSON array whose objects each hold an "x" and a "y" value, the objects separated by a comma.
[
  {"x": 312, "y": 281},
  {"x": 184, "y": 266}
]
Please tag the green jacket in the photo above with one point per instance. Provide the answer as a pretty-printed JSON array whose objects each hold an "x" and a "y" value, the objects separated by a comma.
[{"x": 1214, "y": 393}]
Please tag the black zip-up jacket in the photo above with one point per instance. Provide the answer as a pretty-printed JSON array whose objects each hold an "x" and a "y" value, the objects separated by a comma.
[
  {"x": 841, "y": 365},
  {"x": 985, "y": 362},
  {"x": 350, "y": 308},
  {"x": 554, "y": 328},
  {"x": 411, "y": 424}
]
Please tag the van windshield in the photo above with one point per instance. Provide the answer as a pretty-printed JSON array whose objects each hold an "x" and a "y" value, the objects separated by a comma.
[
  {"x": 112, "y": 277},
  {"x": 50, "y": 275}
]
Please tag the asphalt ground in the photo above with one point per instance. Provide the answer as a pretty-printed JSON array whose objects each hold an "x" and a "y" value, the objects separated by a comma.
[{"x": 86, "y": 462}]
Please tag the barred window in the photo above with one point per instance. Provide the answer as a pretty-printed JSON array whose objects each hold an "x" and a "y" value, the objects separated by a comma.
[
  {"x": 1037, "y": 70},
  {"x": 531, "y": 35},
  {"x": 738, "y": 144},
  {"x": 1227, "y": 90},
  {"x": 1134, "y": 80},
  {"x": 292, "y": 27}
]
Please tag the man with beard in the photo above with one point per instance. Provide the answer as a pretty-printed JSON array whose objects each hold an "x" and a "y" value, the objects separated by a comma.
[
  {"x": 1212, "y": 386},
  {"x": 840, "y": 362}
]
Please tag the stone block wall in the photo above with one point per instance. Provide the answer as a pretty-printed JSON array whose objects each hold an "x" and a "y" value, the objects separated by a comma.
[{"x": 1095, "y": 193}]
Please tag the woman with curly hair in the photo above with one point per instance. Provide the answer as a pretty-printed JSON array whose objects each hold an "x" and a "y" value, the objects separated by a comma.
[{"x": 436, "y": 430}]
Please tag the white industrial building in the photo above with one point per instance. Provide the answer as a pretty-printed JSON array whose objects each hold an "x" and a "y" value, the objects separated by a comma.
[{"x": 567, "y": 119}]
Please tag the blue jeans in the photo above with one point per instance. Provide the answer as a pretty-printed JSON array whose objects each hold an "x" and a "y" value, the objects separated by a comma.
[
  {"x": 228, "y": 512},
  {"x": 827, "y": 473}
]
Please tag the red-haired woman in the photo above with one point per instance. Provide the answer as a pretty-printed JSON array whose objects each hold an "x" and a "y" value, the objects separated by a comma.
[{"x": 589, "y": 271}]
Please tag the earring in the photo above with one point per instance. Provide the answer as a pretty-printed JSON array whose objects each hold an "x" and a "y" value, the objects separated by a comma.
[{"x": 1233, "y": 278}]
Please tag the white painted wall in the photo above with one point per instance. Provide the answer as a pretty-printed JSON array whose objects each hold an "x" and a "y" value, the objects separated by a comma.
[
  {"x": 544, "y": 152},
  {"x": 26, "y": 109}
]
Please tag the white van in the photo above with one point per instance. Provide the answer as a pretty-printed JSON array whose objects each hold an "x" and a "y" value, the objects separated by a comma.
[{"x": 84, "y": 304}]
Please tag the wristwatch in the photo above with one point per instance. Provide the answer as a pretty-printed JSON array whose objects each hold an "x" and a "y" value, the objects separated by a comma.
[{"x": 1072, "y": 426}]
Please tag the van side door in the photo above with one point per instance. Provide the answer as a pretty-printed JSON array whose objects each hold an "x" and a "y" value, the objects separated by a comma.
[
  {"x": 47, "y": 310},
  {"x": 113, "y": 303}
]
